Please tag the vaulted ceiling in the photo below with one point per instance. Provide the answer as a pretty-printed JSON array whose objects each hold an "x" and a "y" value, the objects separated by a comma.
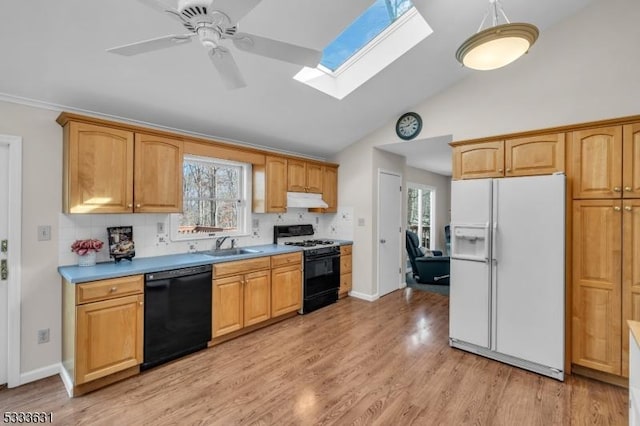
[{"x": 54, "y": 52}]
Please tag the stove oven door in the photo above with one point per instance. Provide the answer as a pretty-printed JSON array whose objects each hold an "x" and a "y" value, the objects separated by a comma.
[{"x": 321, "y": 281}]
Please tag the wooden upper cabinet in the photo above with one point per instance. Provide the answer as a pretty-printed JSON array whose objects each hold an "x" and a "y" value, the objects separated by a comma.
[
  {"x": 631, "y": 161},
  {"x": 296, "y": 176},
  {"x": 536, "y": 155},
  {"x": 158, "y": 174},
  {"x": 98, "y": 169},
  {"x": 478, "y": 160},
  {"x": 276, "y": 185},
  {"x": 303, "y": 176},
  {"x": 597, "y": 162},
  {"x": 596, "y": 311},
  {"x": 314, "y": 176},
  {"x": 329, "y": 190}
]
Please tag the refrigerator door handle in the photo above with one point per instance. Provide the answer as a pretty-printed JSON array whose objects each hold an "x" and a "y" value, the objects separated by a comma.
[
  {"x": 486, "y": 244},
  {"x": 494, "y": 243}
]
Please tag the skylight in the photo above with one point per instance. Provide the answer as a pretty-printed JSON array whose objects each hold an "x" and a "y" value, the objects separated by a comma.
[{"x": 378, "y": 17}]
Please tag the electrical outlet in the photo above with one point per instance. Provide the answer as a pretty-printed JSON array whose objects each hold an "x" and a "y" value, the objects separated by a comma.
[
  {"x": 360, "y": 221},
  {"x": 44, "y": 232},
  {"x": 256, "y": 223},
  {"x": 160, "y": 227},
  {"x": 43, "y": 336}
]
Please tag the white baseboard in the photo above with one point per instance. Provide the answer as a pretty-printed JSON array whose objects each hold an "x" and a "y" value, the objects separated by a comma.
[
  {"x": 403, "y": 284},
  {"x": 39, "y": 373},
  {"x": 363, "y": 296},
  {"x": 66, "y": 380}
]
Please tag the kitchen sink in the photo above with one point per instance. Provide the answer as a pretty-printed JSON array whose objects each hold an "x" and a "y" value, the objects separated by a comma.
[{"x": 233, "y": 252}]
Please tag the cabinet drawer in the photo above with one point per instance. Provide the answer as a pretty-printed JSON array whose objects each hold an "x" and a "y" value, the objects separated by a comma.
[
  {"x": 345, "y": 250},
  {"x": 109, "y": 289},
  {"x": 286, "y": 259},
  {"x": 241, "y": 266}
]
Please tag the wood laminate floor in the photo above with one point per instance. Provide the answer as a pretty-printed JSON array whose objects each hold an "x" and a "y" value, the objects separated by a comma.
[{"x": 354, "y": 362}]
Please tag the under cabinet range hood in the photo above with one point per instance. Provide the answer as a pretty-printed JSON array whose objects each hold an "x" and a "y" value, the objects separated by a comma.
[{"x": 305, "y": 200}]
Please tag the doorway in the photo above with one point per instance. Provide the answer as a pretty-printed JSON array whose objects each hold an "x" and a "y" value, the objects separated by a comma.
[
  {"x": 389, "y": 231},
  {"x": 10, "y": 246},
  {"x": 421, "y": 201}
]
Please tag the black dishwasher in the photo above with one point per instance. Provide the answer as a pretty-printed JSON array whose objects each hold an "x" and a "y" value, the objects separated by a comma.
[{"x": 177, "y": 313}]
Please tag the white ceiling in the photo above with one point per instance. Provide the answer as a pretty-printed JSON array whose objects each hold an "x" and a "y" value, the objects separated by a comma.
[{"x": 54, "y": 52}]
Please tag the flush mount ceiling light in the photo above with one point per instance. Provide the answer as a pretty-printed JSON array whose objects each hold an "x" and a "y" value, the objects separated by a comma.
[{"x": 498, "y": 45}]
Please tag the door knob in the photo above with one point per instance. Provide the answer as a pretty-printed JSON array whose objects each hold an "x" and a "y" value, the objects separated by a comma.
[
  {"x": 383, "y": 241},
  {"x": 616, "y": 208},
  {"x": 616, "y": 189},
  {"x": 628, "y": 208}
]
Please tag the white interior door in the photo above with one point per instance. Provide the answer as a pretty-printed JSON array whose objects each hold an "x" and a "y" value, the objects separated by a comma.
[
  {"x": 4, "y": 295},
  {"x": 389, "y": 232}
]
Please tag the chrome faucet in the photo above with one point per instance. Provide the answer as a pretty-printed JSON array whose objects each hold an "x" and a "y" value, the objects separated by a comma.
[
  {"x": 220, "y": 241},
  {"x": 233, "y": 242}
]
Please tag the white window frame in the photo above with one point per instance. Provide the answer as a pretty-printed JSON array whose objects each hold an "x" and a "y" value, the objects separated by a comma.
[
  {"x": 244, "y": 211},
  {"x": 432, "y": 215}
]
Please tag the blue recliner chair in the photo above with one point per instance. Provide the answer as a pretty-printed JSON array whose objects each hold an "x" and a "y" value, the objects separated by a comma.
[{"x": 426, "y": 269}]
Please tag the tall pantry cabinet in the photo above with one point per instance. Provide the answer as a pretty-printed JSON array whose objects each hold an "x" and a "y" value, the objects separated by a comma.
[{"x": 605, "y": 167}]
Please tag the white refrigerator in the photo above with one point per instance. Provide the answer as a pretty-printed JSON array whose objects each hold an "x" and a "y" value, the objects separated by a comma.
[{"x": 507, "y": 296}]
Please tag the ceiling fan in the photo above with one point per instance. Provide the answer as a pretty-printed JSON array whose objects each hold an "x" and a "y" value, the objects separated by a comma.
[{"x": 212, "y": 22}]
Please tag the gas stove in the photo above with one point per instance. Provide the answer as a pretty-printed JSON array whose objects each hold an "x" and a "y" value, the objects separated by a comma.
[{"x": 294, "y": 235}]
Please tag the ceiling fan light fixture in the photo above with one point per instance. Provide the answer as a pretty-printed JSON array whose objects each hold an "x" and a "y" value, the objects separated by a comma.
[{"x": 498, "y": 45}]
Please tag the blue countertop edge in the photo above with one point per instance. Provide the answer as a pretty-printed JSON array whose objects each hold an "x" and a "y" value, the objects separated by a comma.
[{"x": 142, "y": 265}]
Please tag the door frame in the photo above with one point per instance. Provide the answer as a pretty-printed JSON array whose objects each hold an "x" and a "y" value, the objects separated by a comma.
[
  {"x": 377, "y": 240},
  {"x": 14, "y": 257}
]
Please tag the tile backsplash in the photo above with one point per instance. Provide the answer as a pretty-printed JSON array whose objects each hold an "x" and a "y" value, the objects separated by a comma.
[{"x": 149, "y": 242}]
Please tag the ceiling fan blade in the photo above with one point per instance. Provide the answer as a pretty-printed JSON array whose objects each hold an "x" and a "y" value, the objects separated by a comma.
[
  {"x": 159, "y": 5},
  {"x": 227, "y": 67},
  {"x": 151, "y": 45},
  {"x": 277, "y": 49},
  {"x": 235, "y": 9}
]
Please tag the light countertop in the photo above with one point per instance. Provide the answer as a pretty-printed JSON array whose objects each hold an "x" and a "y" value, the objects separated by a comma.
[{"x": 141, "y": 265}]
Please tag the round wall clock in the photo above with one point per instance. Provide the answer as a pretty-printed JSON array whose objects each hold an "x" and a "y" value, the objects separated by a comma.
[{"x": 408, "y": 126}]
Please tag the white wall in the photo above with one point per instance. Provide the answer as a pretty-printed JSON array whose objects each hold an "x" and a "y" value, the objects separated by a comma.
[
  {"x": 581, "y": 70},
  {"x": 42, "y": 205}
]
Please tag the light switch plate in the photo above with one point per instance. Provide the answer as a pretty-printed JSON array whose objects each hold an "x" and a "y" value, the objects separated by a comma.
[
  {"x": 160, "y": 227},
  {"x": 44, "y": 233},
  {"x": 360, "y": 221}
]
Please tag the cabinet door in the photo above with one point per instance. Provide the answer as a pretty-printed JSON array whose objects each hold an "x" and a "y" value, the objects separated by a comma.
[
  {"x": 276, "y": 184},
  {"x": 631, "y": 161},
  {"x": 536, "y": 155},
  {"x": 286, "y": 289},
  {"x": 329, "y": 190},
  {"x": 257, "y": 297},
  {"x": 630, "y": 273},
  {"x": 227, "y": 305},
  {"x": 158, "y": 174},
  {"x": 597, "y": 162},
  {"x": 314, "y": 177},
  {"x": 345, "y": 284},
  {"x": 296, "y": 176},
  {"x": 478, "y": 160},
  {"x": 98, "y": 169},
  {"x": 109, "y": 337},
  {"x": 345, "y": 263},
  {"x": 596, "y": 284}
]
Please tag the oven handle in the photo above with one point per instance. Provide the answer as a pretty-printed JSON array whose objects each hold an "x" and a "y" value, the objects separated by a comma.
[{"x": 331, "y": 256}]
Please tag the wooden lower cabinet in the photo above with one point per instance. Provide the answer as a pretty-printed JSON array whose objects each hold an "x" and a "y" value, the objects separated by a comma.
[
  {"x": 630, "y": 273},
  {"x": 345, "y": 270},
  {"x": 102, "y": 332},
  {"x": 240, "y": 301},
  {"x": 286, "y": 289}
]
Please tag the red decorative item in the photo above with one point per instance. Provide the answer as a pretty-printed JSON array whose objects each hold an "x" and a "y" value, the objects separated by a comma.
[{"x": 82, "y": 247}]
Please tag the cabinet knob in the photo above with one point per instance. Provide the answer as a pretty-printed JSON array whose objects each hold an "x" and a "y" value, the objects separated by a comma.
[
  {"x": 628, "y": 208},
  {"x": 113, "y": 289},
  {"x": 616, "y": 189},
  {"x": 508, "y": 170},
  {"x": 500, "y": 170},
  {"x": 627, "y": 188},
  {"x": 138, "y": 206},
  {"x": 130, "y": 205},
  {"x": 141, "y": 303},
  {"x": 616, "y": 208}
]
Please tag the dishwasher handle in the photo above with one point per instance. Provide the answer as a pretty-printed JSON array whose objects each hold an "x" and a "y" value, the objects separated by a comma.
[{"x": 176, "y": 273}]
